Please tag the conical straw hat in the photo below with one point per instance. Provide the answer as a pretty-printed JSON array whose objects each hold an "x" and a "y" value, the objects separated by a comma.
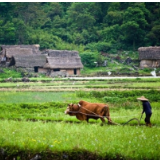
[{"x": 142, "y": 98}]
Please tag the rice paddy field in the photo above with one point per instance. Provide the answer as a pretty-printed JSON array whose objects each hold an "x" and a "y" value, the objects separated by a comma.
[{"x": 33, "y": 124}]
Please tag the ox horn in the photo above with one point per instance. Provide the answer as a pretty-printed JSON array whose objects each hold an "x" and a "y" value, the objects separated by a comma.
[{"x": 79, "y": 105}]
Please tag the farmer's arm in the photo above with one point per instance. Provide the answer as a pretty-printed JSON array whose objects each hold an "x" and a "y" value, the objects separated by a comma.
[{"x": 143, "y": 108}]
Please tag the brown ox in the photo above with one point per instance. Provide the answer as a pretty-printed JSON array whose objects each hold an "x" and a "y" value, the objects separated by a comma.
[{"x": 85, "y": 110}]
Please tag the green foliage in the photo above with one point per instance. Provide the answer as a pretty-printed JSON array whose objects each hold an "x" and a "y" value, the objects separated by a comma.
[
  {"x": 7, "y": 73},
  {"x": 110, "y": 26},
  {"x": 88, "y": 59},
  {"x": 145, "y": 71},
  {"x": 87, "y": 27},
  {"x": 80, "y": 16},
  {"x": 21, "y": 31},
  {"x": 154, "y": 34},
  {"x": 114, "y": 14},
  {"x": 100, "y": 46},
  {"x": 134, "y": 24},
  {"x": 7, "y": 31}
]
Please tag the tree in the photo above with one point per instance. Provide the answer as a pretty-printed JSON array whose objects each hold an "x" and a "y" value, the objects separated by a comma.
[
  {"x": 88, "y": 59},
  {"x": 98, "y": 10},
  {"x": 114, "y": 14},
  {"x": 79, "y": 16},
  {"x": 154, "y": 35},
  {"x": 6, "y": 9},
  {"x": 53, "y": 9},
  {"x": 134, "y": 25},
  {"x": 8, "y": 33},
  {"x": 31, "y": 13},
  {"x": 21, "y": 32}
]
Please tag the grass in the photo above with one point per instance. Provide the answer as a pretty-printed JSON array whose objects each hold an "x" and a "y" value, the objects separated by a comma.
[
  {"x": 106, "y": 141},
  {"x": 7, "y": 73},
  {"x": 75, "y": 84},
  {"x": 34, "y": 122},
  {"x": 121, "y": 109},
  {"x": 34, "y": 97}
]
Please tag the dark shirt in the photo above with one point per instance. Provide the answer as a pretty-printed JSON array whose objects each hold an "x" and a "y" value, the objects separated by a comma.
[{"x": 147, "y": 107}]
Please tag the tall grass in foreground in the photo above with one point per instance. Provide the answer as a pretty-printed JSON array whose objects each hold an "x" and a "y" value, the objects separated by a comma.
[{"x": 129, "y": 142}]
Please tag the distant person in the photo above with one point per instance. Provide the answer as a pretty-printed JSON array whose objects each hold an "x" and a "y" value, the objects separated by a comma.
[{"x": 147, "y": 109}]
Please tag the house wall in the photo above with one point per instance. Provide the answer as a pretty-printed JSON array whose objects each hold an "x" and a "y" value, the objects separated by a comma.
[
  {"x": 62, "y": 72},
  {"x": 149, "y": 63},
  {"x": 71, "y": 72},
  {"x": 78, "y": 71},
  {"x": 42, "y": 70}
]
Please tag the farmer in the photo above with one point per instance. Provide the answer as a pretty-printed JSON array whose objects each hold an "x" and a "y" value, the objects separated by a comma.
[{"x": 147, "y": 109}]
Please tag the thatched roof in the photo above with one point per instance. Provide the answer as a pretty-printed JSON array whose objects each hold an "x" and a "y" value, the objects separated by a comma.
[
  {"x": 149, "y": 53},
  {"x": 13, "y": 50},
  {"x": 29, "y": 56},
  {"x": 30, "y": 61},
  {"x": 26, "y": 56},
  {"x": 63, "y": 59}
]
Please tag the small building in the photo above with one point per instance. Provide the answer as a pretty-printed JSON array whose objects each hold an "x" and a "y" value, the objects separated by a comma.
[
  {"x": 149, "y": 57},
  {"x": 27, "y": 57},
  {"x": 50, "y": 62},
  {"x": 63, "y": 62}
]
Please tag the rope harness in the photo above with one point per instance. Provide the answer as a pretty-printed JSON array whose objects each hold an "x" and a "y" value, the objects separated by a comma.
[
  {"x": 98, "y": 116},
  {"x": 95, "y": 115}
]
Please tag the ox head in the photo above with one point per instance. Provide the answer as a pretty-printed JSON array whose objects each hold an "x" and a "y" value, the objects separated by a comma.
[{"x": 71, "y": 107}]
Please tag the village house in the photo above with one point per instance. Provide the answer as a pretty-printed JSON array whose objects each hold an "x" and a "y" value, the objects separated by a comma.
[
  {"x": 149, "y": 57},
  {"x": 63, "y": 62},
  {"x": 50, "y": 62}
]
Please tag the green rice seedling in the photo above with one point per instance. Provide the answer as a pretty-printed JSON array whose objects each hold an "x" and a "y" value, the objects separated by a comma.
[
  {"x": 120, "y": 113},
  {"x": 34, "y": 97},
  {"x": 56, "y": 84}
]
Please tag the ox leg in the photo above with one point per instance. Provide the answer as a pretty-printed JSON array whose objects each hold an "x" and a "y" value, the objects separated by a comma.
[
  {"x": 87, "y": 119},
  {"x": 109, "y": 120},
  {"x": 103, "y": 121},
  {"x": 108, "y": 116}
]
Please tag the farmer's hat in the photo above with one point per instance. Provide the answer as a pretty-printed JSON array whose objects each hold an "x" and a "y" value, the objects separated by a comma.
[{"x": 142, "y": 98}]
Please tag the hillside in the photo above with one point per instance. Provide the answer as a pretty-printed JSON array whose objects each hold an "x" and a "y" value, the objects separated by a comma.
[
  {"x": 94, "y": 26},
  {"x": 107, "y": 35},
  {"x": 125, "y": 63}
]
